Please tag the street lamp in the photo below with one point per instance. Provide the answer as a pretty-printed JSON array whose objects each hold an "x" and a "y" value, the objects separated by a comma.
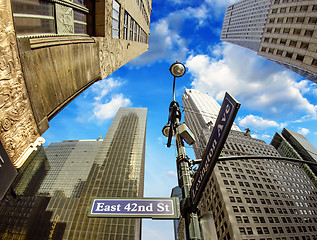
[
  {"x": 173, "y": 127},
  {"x": 177, "y": 69}
]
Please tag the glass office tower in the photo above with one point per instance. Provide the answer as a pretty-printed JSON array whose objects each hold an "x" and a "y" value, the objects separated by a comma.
[
  {"x": 262, "y": 199},
  {"x": 53, "y": 191}
]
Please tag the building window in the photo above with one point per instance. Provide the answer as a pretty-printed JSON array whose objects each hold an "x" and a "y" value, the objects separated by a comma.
[
  {"x": 286, "y": 30},
  {"x": 289, "y": 20},
  {"x": 115, "y": 19},
  {"x": 242, "y": 231},
  {"x": 132, "y": 22},
  {"x": 300, "y": 20},
  {"x": 300, "y": 57},
  {"x": 283, "y": 10},
  {"x": 289, "y": 54},
  {"x": 259, "y": 230},
  {"x": 293, "y": 43},
  {"x": 125, "y": 33},
  {"x": 304, "y": 8},
  {"x": 249, "y": 231},
  {"x": 33, "y": 17},
  {"x": 277, "y": 30},
  {"x": 246, "y": 219},
  {"x": 309, "y": 33},
  {"x": 293, "y": 9},
  {"x": 314, "y": 62},
  {"x": 135, "y": 31},
  {"x": 297, "y": 31},
  {"x": 312, "y": 20}
]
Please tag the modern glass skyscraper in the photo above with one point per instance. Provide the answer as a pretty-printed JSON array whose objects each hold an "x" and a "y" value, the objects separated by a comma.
[
  {"x": 56, "y": 186},
  {"x": 282, "y": 31},
  {"x": 252, "y": 199}
]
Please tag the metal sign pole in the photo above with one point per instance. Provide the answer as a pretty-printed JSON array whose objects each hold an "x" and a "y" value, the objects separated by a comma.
[{"x": 185, "y": 183}]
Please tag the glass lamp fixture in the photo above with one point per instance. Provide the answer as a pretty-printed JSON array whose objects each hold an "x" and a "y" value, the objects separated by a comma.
[{"x": 177, "y": 69}]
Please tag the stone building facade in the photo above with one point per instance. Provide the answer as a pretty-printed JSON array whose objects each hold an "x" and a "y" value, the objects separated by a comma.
[{"x": 51, "y": 51}]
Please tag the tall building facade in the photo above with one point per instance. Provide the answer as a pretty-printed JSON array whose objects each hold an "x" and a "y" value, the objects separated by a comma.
[
  {"x": 55, "y": 188},
  {"x": 295, "y": 145},
  {"x": 255, "y": 199},
  {"x": 285, "y": 32},
  {"x": 244, "y": 23},
  {"x": 54, "y": 50},
  {"x": 202, "y": 111}
]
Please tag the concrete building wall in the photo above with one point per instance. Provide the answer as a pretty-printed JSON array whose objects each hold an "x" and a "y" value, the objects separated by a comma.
[{"x": 290, "y": 36}]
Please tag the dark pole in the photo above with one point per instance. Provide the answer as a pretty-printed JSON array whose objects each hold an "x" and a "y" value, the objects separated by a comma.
[
  {"x": 185, "y": 183},
  {"x": 183, "y": 164}
]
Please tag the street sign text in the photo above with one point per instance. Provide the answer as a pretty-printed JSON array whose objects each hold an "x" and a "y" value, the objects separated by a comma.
[
  {"x": 217, "y": 139},
  {"x": 138, "y": 207}
]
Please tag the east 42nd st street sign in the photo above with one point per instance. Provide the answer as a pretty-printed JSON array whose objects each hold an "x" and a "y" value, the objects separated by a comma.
[{"x": 156, "y": 208}]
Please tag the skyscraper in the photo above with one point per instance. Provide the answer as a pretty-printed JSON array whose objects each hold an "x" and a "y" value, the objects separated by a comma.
[
  {"x": 280, "y": 30},
  {"x": 52, "y": 51},
  {"x": 200, "y": 115},
  {"x": 295, "y": 145},
  {"x": 251, "y": 198},
  {"x": 56, "y": 186}
]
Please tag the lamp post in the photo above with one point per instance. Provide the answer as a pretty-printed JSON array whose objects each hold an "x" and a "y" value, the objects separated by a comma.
[{"x": 173, "y": 127}]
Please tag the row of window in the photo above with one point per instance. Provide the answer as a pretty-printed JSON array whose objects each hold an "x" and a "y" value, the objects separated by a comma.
[
  {"x": 291, "y": 173},
  {"x": 242, "y": 209},
  {"x": 132, "y": 30},
  {"x": 40, "y": 17},
  {"x": 272, "y": 194},
  {"x": 308, "y": 20},
  {"x": 143, "y": 11},
  {"x": 303, "y": 8},
  {"x": 287, "y": 54},
  {"x": 312, "y": 237},
  {"x": 276, "y": 202},
  {"x": 296, "y": 31},
  {"x": 276, "y": 230}
]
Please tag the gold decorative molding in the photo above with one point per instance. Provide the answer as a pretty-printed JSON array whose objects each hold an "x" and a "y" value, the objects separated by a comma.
[{"x": 18, "y": 129}]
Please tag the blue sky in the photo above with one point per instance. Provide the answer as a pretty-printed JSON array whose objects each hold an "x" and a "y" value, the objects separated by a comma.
[{"x": 271, "y": 96}]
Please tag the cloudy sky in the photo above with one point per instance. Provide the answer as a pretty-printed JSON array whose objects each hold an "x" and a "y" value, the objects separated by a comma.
[{"x": 271, "y": 96}]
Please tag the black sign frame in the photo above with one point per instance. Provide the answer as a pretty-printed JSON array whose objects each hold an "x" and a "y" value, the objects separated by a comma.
[{"x": 220, "y": 132}]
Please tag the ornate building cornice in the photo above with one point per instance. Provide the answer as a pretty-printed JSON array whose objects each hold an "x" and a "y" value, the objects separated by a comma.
[{"x": 18, "y": 129}]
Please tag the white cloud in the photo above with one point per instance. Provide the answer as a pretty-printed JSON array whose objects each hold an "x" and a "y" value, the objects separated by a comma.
[
  {"x": 172, "y": 173},
  {"x": 255, "y": 121},
  {"x": 103, "y": 87},
  {"x": 109, "y": 109},
  {"x": 257, "y": 83},
  {"x": 165, "y": 41},
  {"x": 98, "y": 104},
  {"x": 303, "y": 131},
  {"x": 218, "y": 6}
]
